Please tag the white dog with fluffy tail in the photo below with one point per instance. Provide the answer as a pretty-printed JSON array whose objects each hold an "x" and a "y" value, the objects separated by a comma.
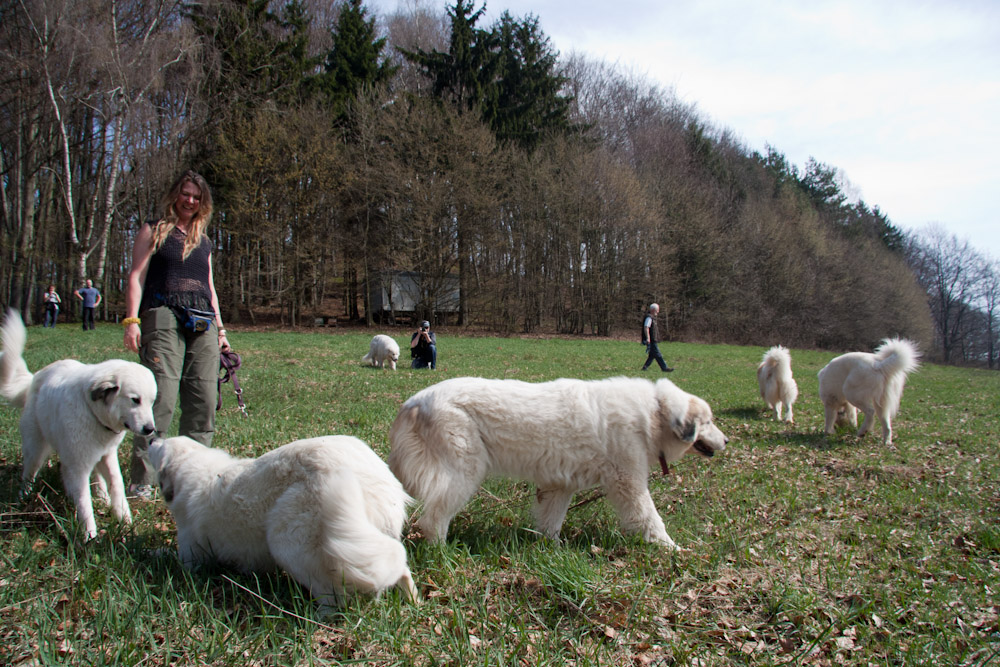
[
  {"x": 777, "y": 386},
  {"x": 81, "y": 412},
  {"x": 872, "y": 383},
  {"x": 326, "y": 510},
  {"x": 565, "y": 436},
  {"x": 382, "y": 351}
]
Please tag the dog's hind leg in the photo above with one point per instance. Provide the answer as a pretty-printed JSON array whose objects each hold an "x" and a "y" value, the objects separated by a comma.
[
  {"x": 99, "y": 488},
  {"x": 550, "y": 510},
  {"x": 35, "y": 451},
  {"x": 832, "y": 413},
  {"x": 869, "y": 412},
  {"x": 443, "y": 503},
  {"x": 110, "y": 472},
  {"x": 886, "y": 429},
  {"x": 777, "y": 411}
]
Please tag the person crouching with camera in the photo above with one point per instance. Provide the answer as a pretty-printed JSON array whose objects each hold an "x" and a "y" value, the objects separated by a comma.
[{"x": 423, "y": 347}]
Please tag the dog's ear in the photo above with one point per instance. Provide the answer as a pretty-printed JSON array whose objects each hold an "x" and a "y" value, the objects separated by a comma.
[
  {"x": 685, "y": 426},
  {"x": 102, "y": 388}
]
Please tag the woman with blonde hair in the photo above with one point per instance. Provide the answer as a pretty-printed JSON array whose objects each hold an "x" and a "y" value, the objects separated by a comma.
[{"x": 171, "y": 309}]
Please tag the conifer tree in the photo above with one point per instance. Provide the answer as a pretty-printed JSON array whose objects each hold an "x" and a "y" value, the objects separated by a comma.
[
  {"x": 458, "y": 75},
  {"x": 355, "y": 60},
  {"x": 525, "y": 100},
  {"x": 509, "y": 73}
]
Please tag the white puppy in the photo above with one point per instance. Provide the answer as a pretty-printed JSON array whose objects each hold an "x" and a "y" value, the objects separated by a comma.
[
  {"x": 326, "y": 510},
  {"x": 382, "y": 350},
  {"x": 80, "y": 411},
  {"x": 872, "y": 383},
  {"x": 777, "y": 386},
  {"x": 564, "y": 436}
]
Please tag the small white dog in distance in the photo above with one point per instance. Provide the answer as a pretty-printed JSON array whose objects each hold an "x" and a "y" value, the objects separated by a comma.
[
  {"x": 382, "y": 351},
  {"x": 81, "y": 412},
  {"x": 872, "y": 383},
  {"x": 777, "y": 386},
  {"x": 565, "y": 436},
  {"x": 326, "y": 510}
]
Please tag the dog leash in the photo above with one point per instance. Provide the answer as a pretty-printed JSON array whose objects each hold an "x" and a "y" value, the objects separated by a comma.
[{"x": 229, "y": 363}]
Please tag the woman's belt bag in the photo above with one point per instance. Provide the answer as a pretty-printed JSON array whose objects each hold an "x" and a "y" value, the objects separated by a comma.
[{"x": 196, "y": 320}]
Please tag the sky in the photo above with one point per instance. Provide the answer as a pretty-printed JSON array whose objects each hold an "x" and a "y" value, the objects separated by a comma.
[{"x": 902, "y": 96}]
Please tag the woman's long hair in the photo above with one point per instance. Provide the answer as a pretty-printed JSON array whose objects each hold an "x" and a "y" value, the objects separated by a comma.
[{"x": 168, "y": 219}]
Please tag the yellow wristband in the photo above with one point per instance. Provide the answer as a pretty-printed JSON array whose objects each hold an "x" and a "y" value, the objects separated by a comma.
[{"x": 131, "y": 320}]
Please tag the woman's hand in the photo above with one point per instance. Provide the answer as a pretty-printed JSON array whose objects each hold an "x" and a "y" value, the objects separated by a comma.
[{"x": 132, "y": 336}]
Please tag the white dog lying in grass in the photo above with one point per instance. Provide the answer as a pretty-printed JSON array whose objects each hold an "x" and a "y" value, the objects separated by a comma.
[
  {"x": 326, "y": 510},
  {"x": 872, "y": 383},
  {"x": 81, "y": 412},
  {"x": 381, "y": 351},
  {"x": 777, "y": 386},
  {"x": 565, "y": 436}
]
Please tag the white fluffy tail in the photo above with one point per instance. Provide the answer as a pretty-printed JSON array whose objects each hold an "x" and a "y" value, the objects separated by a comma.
[
  {"x": 895, "y": 358},
  {"x": 367, "y": 359},
  {"x": 364, "y": 558},
  {"x": 897, "y": 355},
  {"x": 15, "y": 378},
  {"x": 777, "y": 387}
]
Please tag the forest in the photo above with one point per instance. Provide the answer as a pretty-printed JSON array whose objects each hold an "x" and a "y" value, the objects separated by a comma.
[{"x": 546, "y": 194}]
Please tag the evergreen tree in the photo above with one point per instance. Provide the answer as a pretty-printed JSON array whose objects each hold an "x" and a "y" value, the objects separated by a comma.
[
  {"x": 459, "y": 73},
  {"x": 524, "y": 101},
  {"x": 355, "y": 60},
  {"x": 508, "y": 73}
]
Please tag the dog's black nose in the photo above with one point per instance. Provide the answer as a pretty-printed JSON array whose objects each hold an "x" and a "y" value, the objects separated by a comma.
[{"x": 148, "y": 430}]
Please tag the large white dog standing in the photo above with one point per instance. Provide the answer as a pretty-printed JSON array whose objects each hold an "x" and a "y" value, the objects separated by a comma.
[
  {"x": 382, "y": 351},
  {"x": 777, "y": 386},
  {"x": 81, "y": 412},
  {"x": 565, "y": 436},
  {"x": 326, "y": 510},
  {"x": 872, "y": 383}
]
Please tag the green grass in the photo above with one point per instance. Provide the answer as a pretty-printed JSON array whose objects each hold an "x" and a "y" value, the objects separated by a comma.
[{"x": 800, "y": 548}]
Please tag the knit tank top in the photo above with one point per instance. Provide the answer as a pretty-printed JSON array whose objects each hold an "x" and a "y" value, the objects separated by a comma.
[{"x": 177, "y": 282}]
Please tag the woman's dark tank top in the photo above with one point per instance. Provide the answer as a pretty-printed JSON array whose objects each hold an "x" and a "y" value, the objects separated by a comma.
[{"x": 172, "y": 281}]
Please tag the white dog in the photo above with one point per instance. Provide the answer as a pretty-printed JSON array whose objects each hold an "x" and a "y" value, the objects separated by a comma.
[
  {"x": 564, "y": 436},
  {"x": 777, "y": 386},
  {"x": 382, "y": 350},
  {"x": 872, "y": 383},
  {"x": 326, "y": 510},
  {"x": 80, "y": 411}
]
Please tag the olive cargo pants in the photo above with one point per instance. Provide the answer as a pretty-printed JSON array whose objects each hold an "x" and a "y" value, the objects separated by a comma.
[{"x": 186, "y": 366}]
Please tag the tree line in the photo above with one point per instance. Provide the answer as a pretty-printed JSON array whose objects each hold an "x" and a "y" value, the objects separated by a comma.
[{"x": 558, "y": 194}]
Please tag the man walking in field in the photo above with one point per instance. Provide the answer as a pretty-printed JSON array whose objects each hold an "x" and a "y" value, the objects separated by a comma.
[{"x": 650, "y": 337}]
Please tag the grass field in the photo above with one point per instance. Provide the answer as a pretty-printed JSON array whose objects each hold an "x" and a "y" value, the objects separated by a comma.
[{"x": 800, "y": 548}]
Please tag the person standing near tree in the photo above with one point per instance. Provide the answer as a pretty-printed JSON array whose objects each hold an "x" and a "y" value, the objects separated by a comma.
[
  {"x": 51, "y": 302},
  {"x": 91, "y": 299},
  {"x": 173, "y": 319},
  {"x": 650, "y": 338}
]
